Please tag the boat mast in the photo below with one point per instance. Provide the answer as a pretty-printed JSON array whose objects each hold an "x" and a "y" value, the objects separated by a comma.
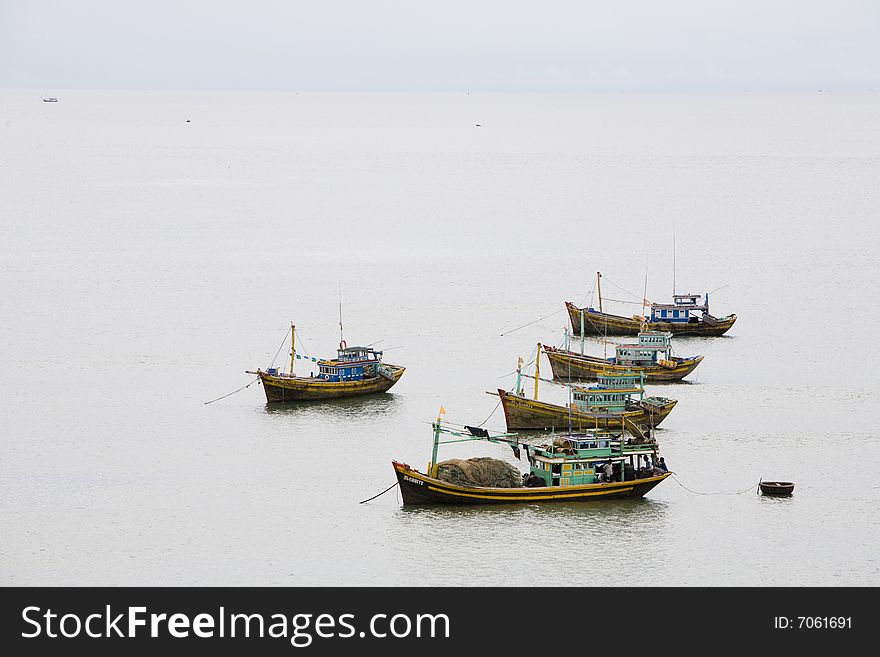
[
  {"x": 582, "y": 331},
  {"x": 599, "y": 286},
  {"x": 432, "y": 468},
  {"x": 537, "y": 370},
  {"x": 519, "y": 363},
  {"x": 292, "y": 346}
]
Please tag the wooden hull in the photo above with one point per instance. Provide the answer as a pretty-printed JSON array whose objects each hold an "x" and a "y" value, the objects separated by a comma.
[
  {"x": 523, "y": 413},
  {"x": 596, "y": 323},
  {"x": 776, "y": 487},
  {"x": 287, "y": 389},
  {"x": 567, "y": 365},
  {"x": 417, "y": 489}
]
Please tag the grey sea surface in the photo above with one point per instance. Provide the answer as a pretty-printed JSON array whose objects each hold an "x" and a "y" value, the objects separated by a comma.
[{"x": 154, "y": 246}]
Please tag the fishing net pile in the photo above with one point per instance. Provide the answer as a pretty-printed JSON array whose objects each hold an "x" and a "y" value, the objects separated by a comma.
[{"x": 480, "y": 471}]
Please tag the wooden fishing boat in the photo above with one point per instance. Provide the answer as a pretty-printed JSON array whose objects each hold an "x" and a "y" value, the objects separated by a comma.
[
  {"x": 577, "y": 467},
  {"x": 675, "y": 318},
  {"x": 354, "y": 371},
  {"x": 652, "y": 356},
  {"x": 776, "y": 487},
  {"x": 520, "y": 412},
  {"x": 617, "y": 401}
]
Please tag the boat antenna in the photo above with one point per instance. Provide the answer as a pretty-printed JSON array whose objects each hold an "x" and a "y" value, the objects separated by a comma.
[
  {"x": 645, "y": 293},
  {"x": 341, "y": 339},
  {"x": 537, "y": 369},
  {"x": 604, "y": 317},
  {"x": 292, "y": 346},
  {"x": 570, "y": 400},
  {"x": 673, "y": 260}
]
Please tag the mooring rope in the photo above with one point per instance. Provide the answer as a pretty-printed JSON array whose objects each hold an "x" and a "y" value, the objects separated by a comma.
[
  {"x": 696, "y": 492},
  {"x": 491, "y": 414},
  {"x": 234, "y": 391},
  {"x": 504, "y": 376},
  {"x": 382, "y": 493},
  {"x": 530, "y": 323}
]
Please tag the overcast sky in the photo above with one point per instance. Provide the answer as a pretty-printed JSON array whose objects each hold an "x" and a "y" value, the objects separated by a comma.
[{"x": 473, "y": 45}]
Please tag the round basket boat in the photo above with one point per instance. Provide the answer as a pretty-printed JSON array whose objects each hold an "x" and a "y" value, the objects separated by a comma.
[{"x": 776, "y": 487}]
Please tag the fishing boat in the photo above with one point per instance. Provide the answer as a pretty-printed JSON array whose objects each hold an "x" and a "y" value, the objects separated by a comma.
[
  {"x": 679, "y": 317},
  {"x": 50, "y": 99},
  {"x": 617, "y": 401},
  {"x": 594, "y": 465},
  {"x": 354, "y": 371},
  {"x": 651, "y": 356}
]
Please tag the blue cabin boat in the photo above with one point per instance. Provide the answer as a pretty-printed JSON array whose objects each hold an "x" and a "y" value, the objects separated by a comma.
[
  {"x": 354, "y": 371},
  {"x": 350, "y": 364},
  {"x": 686, "y": 315}
]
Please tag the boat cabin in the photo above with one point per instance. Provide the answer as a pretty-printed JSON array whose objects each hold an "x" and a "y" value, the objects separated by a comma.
[
  {"x": 358, "y": 354},
  {"x": 582, "y": 459},
  {"x": 612, "y": 393},
  {"x": 351, "y": 364},
  {"x": 680, "y": 309},
  {"x": 647, "y": 352}
]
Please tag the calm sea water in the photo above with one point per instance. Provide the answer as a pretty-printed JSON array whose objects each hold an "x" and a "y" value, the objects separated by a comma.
[{"x": 154, "y": 246}]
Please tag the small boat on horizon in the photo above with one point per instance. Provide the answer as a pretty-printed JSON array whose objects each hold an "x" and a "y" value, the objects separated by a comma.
[
  {"x": 675, "y": 318},
  {"x": 577, "y": 467},
  {"x": 354, "y": 371},
  {"x": 644, "y": 357},
  {"x": 50, "y": 99},
  {"x": 779, "y": 488}
]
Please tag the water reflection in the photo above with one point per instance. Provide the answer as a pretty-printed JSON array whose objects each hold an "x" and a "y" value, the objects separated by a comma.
[
  {"x": 648, "y": 383},
  {"x": 487, "y": 536},
  {"x": 640, "y": 509},
  {"x": 379, "y": 404}
]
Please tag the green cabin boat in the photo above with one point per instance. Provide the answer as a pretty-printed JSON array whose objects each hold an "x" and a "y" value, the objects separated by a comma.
[
  {"x": 617, "y": 401},
  {"x": 592, "y": 465},
  {"x": 651, "y": 356}
]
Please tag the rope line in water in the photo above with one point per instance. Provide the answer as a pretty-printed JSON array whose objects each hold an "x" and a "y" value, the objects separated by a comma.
[
  {"x": 551, "y": 314},
  {"x": 377, "y": 495},
  {"x": 234, "y": 391},
  {"x": 514, "y": 371},
  {"x": 491, "y": 414},
  {"x": 696, "y": 492},
  {"x": 530, "y": 323}
]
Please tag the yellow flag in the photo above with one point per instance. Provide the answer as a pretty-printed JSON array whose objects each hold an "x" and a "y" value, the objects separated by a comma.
[{"x": 442, "y": 411}]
